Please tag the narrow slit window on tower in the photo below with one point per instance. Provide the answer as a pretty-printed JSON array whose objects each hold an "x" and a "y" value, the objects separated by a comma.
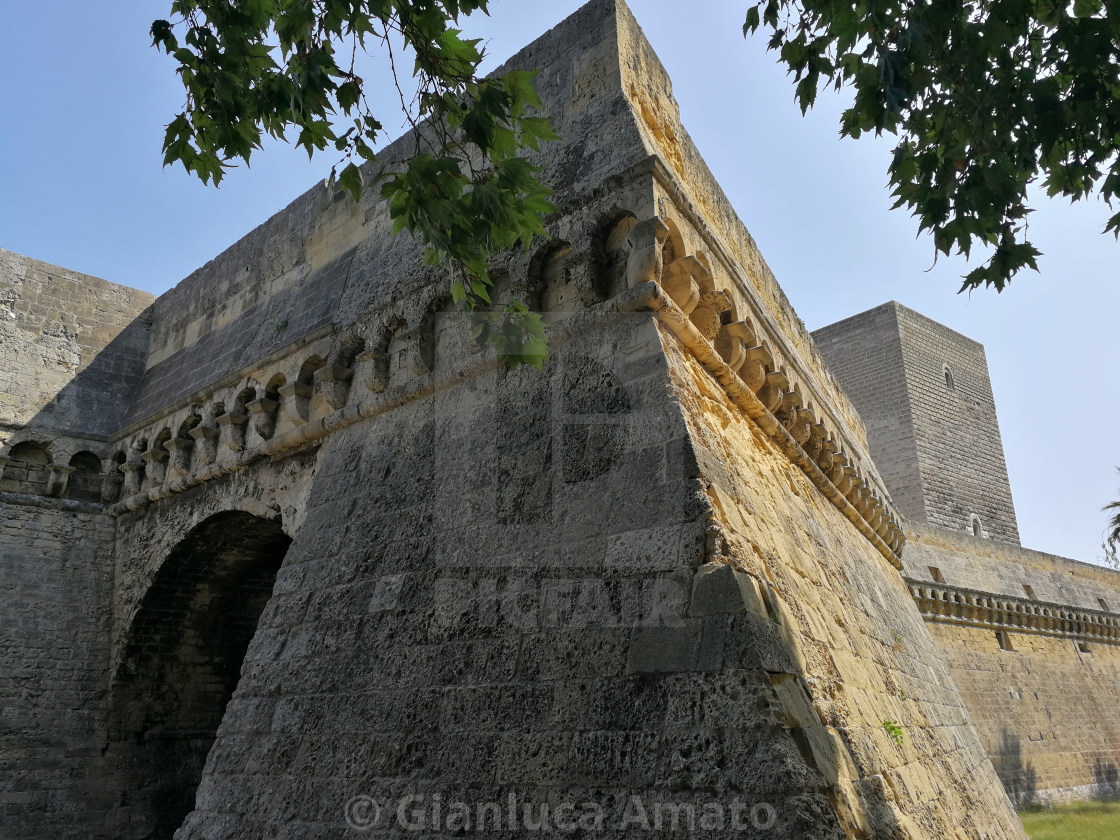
[
  {"x": 935, "y": 573},
  {"x": 1083, "y": 647},
  {"x": 950, "y": 383},
  {"x": 1029, "y": 591},
  {"x": 1103, "y": 603},
  {"x": 1004, "y": 639},
  {"x": 976, "y": 526}
]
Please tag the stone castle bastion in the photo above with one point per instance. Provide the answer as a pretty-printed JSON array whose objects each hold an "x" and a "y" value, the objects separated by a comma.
[{"x": 282, "y": 549}]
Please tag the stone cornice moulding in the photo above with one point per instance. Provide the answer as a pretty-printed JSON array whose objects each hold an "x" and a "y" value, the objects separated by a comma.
[
  {"x": 683, "y": 204},
  {"x": 647, "y": 296},
  {"x": 227, "y": 381},
  {"x": 651, "y": 296},
  {"x": 973, "y": 608}
]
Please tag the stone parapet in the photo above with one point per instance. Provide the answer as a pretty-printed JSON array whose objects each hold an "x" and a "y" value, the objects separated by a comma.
[{"x": 955, "y": 605}]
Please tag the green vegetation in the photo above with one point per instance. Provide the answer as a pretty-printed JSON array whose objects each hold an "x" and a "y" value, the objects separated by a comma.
[
  {"x": 1077, "y": 821},
  {"x": 1112, "y": 534},
  {"x": 988, "y": 101},
  {"x": 894, "y": 730},
  {"x": 278, "y": 68}
]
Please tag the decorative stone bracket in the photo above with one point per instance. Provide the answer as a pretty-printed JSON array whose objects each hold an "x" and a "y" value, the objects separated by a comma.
[
  {"x": 206, "y": 441},
  {"x": 180, "y": 461},
  {"x": 56, "y": 483},
  {"x": 332, "y": 384},
  {"x": 682, "y": 297},
  {"x": 231, "y": 430},
  {"x": 645, "y": 263},
  {"x": 156, "y": 459},
  {"x": 133, "y": 476},
  {"x": 956, "y": 605},
  {"x": 373, "y": 370}
]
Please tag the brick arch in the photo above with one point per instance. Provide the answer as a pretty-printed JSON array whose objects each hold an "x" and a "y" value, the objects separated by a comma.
[{"x": 182, "y": 661}]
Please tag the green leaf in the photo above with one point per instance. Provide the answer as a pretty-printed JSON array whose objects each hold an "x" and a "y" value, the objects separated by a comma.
[
  {"x": 350, "y": 179},
  {"x": 752, "y": 22}
]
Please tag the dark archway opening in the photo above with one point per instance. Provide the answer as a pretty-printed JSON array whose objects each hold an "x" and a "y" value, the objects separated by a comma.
[{"x": 182, "y": 662}]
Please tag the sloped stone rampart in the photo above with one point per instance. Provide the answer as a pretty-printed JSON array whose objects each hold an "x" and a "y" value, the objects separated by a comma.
[{"x": 663, "y": 567}]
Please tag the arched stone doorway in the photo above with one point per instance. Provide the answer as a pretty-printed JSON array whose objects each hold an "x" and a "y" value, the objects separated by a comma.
[{"x": 181, "y": 664}]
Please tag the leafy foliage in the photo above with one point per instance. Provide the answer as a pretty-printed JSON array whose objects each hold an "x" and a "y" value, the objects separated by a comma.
[
  {"x": 894, "y": 730},
  {"x": 985, "y": 97},
  {"x": 1111, "y": 543},
  {"x": 274, "y": 67}
]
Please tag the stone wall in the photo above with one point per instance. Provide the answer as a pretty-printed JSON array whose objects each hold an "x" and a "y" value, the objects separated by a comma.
[
  {"x": 864, "y": 353},
  {"x": 885, "y": 729},
  {"x": 663, "y": 566},
  {"x": 55, "y": 591},
  {"x": 1037, "y": 659},
  {"x": 926, "y": 391},
  {"x": 73, "y": 348},
  {"x": 1045, "y": 710},
  {"x": 533, "y": 600}
]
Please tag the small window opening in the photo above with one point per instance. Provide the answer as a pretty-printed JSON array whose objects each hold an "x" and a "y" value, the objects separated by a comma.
[
  {"x": 1082, "y": 647},
  {"x": 935, "y": 573},
  {"x": 950, "y": 383},
  {"x": 1030, "y": 592},
  {"x": 1103, "y": 603},
  {"x": 977, "y": 527},
  {"x": 1004, "y": 639}
]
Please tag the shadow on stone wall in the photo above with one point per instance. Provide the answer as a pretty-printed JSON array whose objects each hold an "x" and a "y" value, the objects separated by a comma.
[
  {"x": 1019, "y": 780},
  {"x": 94, "y": 401},
  {"x": 182, "y": 663},
  {"x": 1106, "y": 777}
]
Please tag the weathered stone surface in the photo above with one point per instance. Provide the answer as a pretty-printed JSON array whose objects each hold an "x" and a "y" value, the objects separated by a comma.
[
  {"x": 73, "y": 348},
  {"x": 1045, "y": 708},
  {"x": 343, "y": 553},
  {"x": 925, "y": 394}
]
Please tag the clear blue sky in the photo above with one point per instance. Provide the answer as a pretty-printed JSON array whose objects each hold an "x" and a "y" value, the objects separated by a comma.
[{"x": 84, "y": 100}]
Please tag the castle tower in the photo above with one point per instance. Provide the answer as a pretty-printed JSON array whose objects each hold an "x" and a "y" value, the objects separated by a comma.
[{"x": 924, "y": 392}]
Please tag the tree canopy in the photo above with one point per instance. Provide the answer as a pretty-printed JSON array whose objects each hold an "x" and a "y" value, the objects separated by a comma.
[
  {"x": 281, "y": 67},
  {"x": 986, "y": 97},
  {"x": 1111, "y": 544}
]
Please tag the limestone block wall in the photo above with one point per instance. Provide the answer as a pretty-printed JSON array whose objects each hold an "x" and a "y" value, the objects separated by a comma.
[
  {"x": 1009, "y": 570},
  {"x": 703, "y": 212},
  {"x": 532, "y": 599},
  {"x": 459, "y": 614},
  {"x": 326, "y": 258},
  {"x": 926, "y": 391},
  {"x": 1045, "y": 710},
  {"x": 55, "y": 591},
  {"x": 865, "y": 354},
  {"x": 883, "y": 725},
  {"x": 73, "y": 348},
  {"x": 664, "y": 566},
  {"x": 1033, "y": 643}
]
